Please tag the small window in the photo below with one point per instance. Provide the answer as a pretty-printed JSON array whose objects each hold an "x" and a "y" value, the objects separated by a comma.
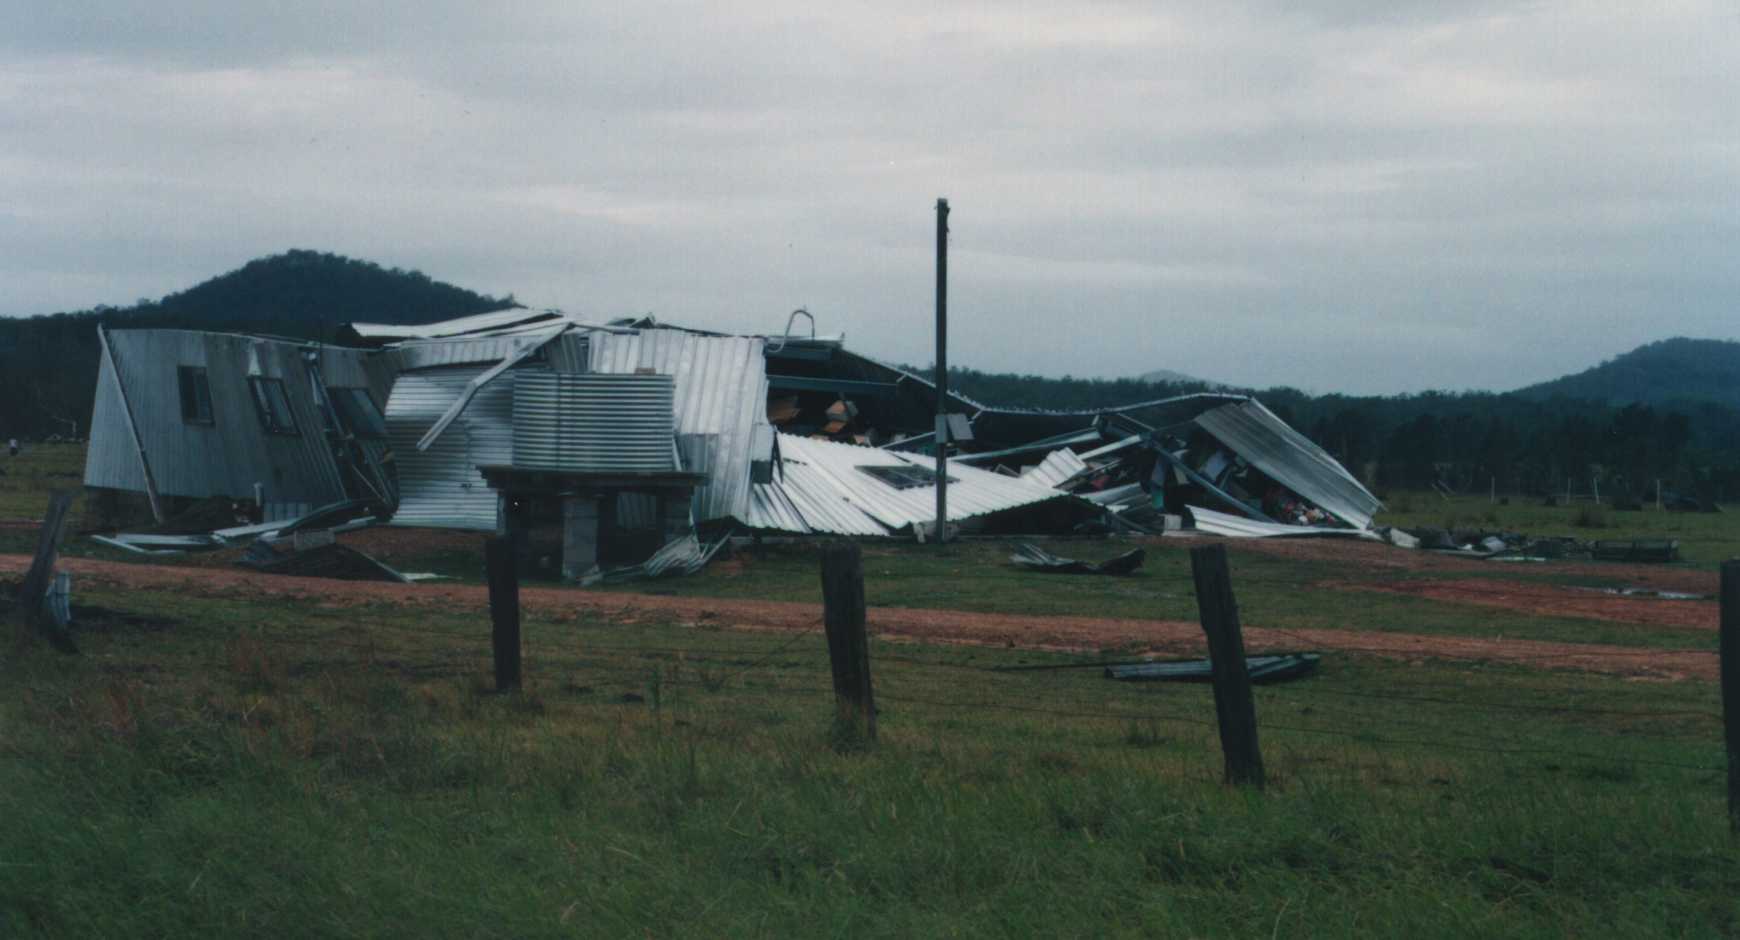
[
  {"x": 904, "y": 476},
  {"x": 273, "y": 405},
  {"x": 195, "y": 394},
  {"x": 357, "y": 411}
]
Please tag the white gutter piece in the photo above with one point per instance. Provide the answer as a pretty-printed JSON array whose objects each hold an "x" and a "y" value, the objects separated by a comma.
[{"x": 526, "y": 347}]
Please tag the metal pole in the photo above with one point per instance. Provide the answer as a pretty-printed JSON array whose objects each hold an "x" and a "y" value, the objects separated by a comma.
[{"x": 942, "y": 368}]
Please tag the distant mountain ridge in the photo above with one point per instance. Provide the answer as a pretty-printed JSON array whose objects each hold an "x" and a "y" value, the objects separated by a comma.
[
  {"x": 316, "y": 289},
  {"x": 1678, "y": 369},
  {"x": 1169, "y": 377},
  {"x": 48, "y": 364}
]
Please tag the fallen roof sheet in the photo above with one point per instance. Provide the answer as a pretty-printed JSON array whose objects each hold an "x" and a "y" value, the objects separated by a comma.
[
  {"x": 1238, "y": 527},
  {"x": 1261, "y": 669},
  {"x": 683, "y": 555},
  {"x": 1058, "y": 467},
  {"x": 824, "y": 484},
  {"x": 1034, "y": 558},
  {"x": 1291, "y": 459}
]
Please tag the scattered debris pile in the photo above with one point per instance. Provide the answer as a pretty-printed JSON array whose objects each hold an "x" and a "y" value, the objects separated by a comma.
[
  {"x": 1034, "y": 558},
  {"x": 1513, "y": 546},
  {"x": 316, "y": 558}
]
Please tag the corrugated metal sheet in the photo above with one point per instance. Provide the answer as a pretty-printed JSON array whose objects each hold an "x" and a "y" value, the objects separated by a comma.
[
  {"x": 721, "y": 389},
  {"x": 822, "y": 482},
  {"x": 1291, "y": 459},
  {"x": 494, "y": 320},
  {"x": 771, "y": 508},
  {"x": 594, "y": 422},
  {"x": 821, "y": 503},
  {"x": 229, "y": 455},
  {"x": 1058, "y": 466},
  {"x": 1219, "y": 523},
  {"x": 441, "y": 486}
]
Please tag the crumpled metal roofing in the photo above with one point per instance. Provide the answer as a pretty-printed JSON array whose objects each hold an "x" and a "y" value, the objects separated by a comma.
[
  {"x": 1219, "y": 523},
  {"x": 478, "y": 323},
  {"x": 1291, "y": 459},
  {"x": 1057, "y": 467},
  {"x": 721, "y": 391},
  {"x": 820, "y": 481}
]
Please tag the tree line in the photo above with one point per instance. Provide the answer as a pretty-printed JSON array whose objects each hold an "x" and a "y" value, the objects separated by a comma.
[{"x": 1466, "y": 441}]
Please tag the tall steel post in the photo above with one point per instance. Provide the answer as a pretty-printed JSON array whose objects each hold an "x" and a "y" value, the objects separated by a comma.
[{"x": 942, "y": 369}]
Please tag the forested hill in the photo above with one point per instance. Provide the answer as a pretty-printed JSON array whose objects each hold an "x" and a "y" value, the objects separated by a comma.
[
  {"x": 305, "y": 293},
  {"x": 1676, "y": 369},
  {"x": 48, "y": 364}
]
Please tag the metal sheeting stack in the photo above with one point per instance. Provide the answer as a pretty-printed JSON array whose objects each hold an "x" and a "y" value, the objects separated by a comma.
[
  {"x": 721, "y": 389},
  {"x": 594, "y": 423},
  {"x": 441, "y": 486},
  {"x": 1291, "y": 459}
]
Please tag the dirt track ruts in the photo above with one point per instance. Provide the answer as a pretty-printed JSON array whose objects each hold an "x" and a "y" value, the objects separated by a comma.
[{"x": 1087, "y": 634}]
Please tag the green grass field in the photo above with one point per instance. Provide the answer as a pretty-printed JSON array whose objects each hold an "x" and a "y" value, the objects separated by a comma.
[
  {"x": 215, "y": 765},
  {"x": 220, "y": 764},
  {"x": 25, "y": 480}
]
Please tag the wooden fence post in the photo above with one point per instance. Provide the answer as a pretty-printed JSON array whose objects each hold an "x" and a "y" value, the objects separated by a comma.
[
  {"x": 848, "y": 645},
  {"x": 1233, "y": 704},
  {"x": 41, "y": 575},
  {"x": 1730, "y": 647},
  {"x": 502, "y": 569}
]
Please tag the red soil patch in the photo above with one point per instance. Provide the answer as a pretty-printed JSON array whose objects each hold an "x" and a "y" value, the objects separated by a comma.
[
  {"x": 1552, "y": 600},
  {"x": 944, "y": 626}
]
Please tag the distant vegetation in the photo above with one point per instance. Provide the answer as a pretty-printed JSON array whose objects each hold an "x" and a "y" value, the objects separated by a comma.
[
  {"x": 48, "y": 364},
  {"x": 1671, "y": 370},
  {"x": 1529, "y": 441}
]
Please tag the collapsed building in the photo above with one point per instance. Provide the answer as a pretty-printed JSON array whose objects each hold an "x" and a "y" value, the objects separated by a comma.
[{"x": 638, "y": 443}]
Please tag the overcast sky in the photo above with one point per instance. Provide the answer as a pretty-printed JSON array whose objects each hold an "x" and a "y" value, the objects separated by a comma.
[{"x": 1342, "y": 196}]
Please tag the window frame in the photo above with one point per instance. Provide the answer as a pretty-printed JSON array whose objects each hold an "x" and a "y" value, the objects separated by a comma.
[
  {"x": 194, "y": 386},
  {"x": 341, "y": 398},
  {"x": 260, "y": 388},
  {"x": 902, "y": 476}
]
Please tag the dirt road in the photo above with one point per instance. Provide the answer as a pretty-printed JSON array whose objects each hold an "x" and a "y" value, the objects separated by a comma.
[{"x": 1085, "y": 634}]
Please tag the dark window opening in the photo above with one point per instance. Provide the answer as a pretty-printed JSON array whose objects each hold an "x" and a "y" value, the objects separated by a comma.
[
  {"x": 195, "y": 394},
  {"x": 273, "y": 405},
  {"x": 904, "y": 476},
  {"x": 357, "y": 411}
]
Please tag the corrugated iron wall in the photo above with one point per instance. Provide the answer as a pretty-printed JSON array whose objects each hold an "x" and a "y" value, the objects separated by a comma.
[
  {"x": 721, "y": 389},
  {"x": 441, "y": 486},
  {"x": 593, "y": 422},
  {"x": 112, "y": 459},
  {"x": 232, "y": 453}
]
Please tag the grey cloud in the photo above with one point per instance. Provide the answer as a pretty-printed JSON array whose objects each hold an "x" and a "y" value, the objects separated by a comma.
[{"x": 1434, "y": 195}]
